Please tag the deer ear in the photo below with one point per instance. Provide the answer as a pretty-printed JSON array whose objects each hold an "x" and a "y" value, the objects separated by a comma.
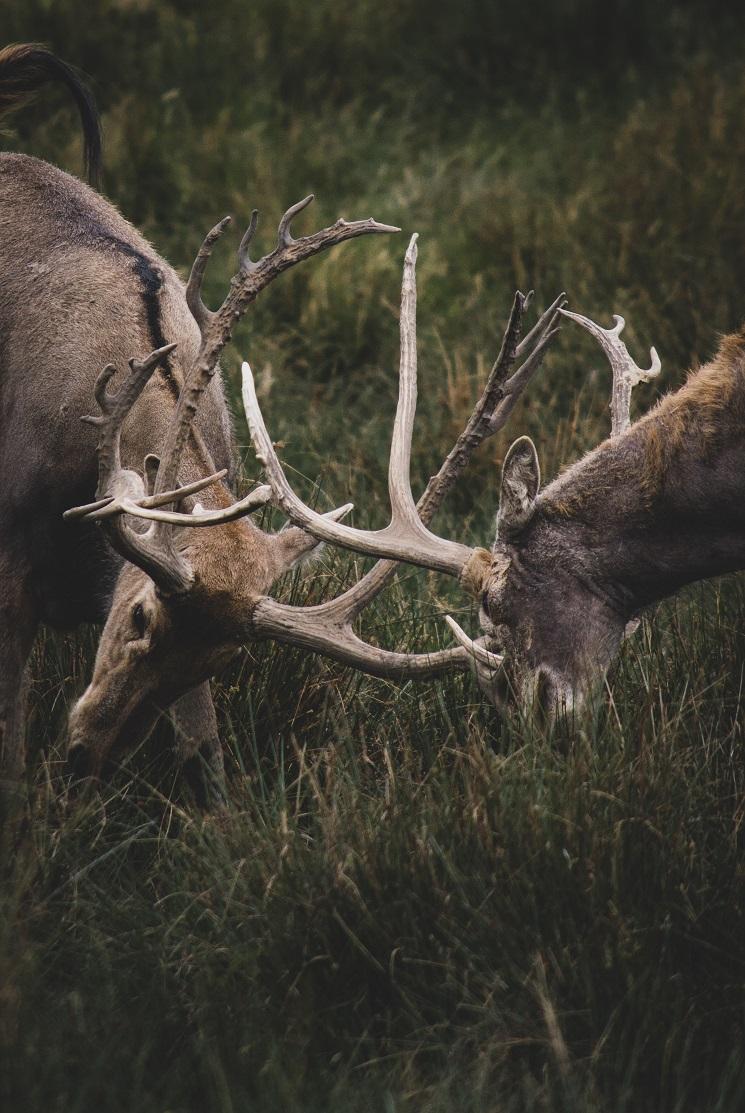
[
  {"x": 521, "y": 478},
  {"x": 293, "y": 546}
]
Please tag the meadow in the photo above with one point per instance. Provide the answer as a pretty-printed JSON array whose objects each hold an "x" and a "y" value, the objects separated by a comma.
[{"x": 407, "y": 905}]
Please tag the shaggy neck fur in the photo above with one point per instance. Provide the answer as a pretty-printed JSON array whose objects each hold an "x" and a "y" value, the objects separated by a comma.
[{"x": 664, "y": 504}]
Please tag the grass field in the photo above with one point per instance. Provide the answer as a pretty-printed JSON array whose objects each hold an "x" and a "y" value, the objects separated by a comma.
[{"x": 408, "y": 906}]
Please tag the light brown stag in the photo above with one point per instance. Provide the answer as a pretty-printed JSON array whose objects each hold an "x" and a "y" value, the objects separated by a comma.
[{"x": 81, "y": 288}]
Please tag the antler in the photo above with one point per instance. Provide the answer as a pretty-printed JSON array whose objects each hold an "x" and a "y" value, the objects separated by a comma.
[
  {"x": 216, "y": 327},
  {"x": 123, "y": 492},
  {"x": 626, "y": 373},
  {"x": 327, "y": 627},
  {"x": 405, "y": 537}
]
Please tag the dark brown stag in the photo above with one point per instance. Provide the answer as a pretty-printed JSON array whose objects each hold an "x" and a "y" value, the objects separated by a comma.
[{"x": 656, "y": 506}]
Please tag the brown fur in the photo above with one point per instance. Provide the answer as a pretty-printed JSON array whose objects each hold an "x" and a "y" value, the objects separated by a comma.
[{"x": 694, "y": 421}]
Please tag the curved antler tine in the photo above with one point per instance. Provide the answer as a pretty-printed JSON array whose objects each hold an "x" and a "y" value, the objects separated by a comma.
[
  {"x": 483, "y": 656},
  {"x": 626, "y": 373},
  {"x": 615, "y": 349},
  {"x": 100, "y": 393},
  {"x": 88, "y": 509},
  {"x": 245, "y": 262},
  {"x": 284, "y": 234},
  {"x": 399, "y": 464},
  {"x": 199, "y": 310},
  {"x": 114, "y": 409},
  {"x": 143, "y": 368}
]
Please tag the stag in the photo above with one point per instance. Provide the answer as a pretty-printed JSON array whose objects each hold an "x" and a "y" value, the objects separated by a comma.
[
  {"x": 82, "y": 290},
  {"x": 655, "y": 507},
  {"x": 180, "y": 585}
]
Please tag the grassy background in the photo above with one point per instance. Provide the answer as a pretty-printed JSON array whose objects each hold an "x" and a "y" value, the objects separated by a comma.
[{"x": 408, "y": 906}]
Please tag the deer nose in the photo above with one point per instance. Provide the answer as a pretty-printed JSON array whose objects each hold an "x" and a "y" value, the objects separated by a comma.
[{"x": 79, "y": 763}]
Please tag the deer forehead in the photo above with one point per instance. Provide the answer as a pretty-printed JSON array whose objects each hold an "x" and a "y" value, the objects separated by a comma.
[{"x": 499, "y": 568}]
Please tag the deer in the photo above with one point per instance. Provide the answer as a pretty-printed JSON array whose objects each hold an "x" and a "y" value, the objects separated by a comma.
[
  {"x": 114, "y": 420},
  {"x": 572, "y": 567}
]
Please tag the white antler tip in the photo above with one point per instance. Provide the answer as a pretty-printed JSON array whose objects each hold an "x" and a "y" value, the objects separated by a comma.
[
  {"x": 481, "y": 655},
  {"x": 656, "y": 363},
  {"x": 340, "y": 512}
]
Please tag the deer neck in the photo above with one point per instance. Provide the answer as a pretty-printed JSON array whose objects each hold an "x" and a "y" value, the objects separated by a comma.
[{"x": 663, "y": 505}]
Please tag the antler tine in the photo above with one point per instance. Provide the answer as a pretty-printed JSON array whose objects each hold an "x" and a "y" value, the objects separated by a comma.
[
  {"x": 89, "y": 511},
  {"x": 254, "y": 500},
  {"x": 284, "y": 235},
  {"x": 100, "y": 393},
  {"x": 245, "y": 263},
  {"x": 216, "y": 327},
  {"x": 482, "y": 656},
  {"x": 546, "y": 320},
  {"x": 626, "y": 373},
  {"x": 516, "y": 384},
  {"x": 199, "y": 311}
]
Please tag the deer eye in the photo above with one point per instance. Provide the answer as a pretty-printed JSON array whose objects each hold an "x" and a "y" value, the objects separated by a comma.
[{"x": 139, "y": 619}]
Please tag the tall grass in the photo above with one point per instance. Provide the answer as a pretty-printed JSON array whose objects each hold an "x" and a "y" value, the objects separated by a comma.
[{"x": 407, "y": 904}]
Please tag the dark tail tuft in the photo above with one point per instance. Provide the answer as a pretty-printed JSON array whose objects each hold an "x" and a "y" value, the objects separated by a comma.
[{"x": 25, "y": 68}]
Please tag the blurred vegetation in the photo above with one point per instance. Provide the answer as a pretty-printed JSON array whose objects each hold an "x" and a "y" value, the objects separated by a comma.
[{"x": 407, "y": 906}]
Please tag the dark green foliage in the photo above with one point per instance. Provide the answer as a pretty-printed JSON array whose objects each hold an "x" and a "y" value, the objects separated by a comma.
[{"x": 407, "y": 906}]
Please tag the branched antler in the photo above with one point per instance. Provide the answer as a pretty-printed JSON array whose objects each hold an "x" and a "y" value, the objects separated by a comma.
[
  {"x": 626, "y": 373},
  {"x": 121, "y": 487},
  {"x": 245, "y": 286},
  {"x": 122, "y": 491},
  {"x": 328, "y": 627}
]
